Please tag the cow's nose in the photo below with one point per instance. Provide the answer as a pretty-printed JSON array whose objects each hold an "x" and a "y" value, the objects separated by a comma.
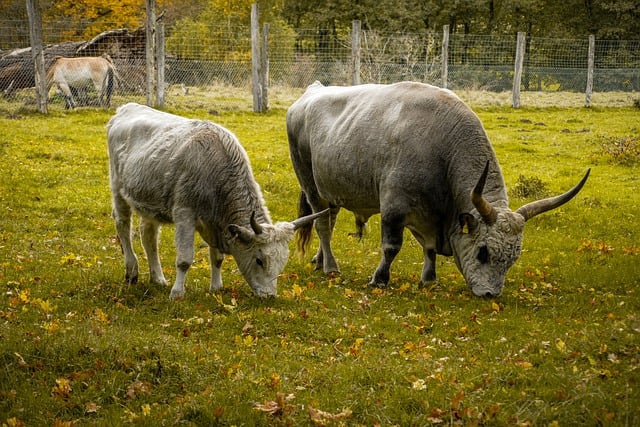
[{"x": 488, "y": 294}]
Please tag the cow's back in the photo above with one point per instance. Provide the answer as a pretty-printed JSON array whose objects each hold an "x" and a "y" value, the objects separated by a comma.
[
  {"x": 159, "y": 161},
  {"x": 363, "y": 142}
]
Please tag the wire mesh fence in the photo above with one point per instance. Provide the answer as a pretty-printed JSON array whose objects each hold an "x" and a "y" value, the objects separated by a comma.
[{"x": 202, "y": 55}]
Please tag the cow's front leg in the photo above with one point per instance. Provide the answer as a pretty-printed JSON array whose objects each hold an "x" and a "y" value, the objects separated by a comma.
[
  {"x": 215, "y": 258},
  {"x": 429, "y": 267},
  {"x": 122, "y": 219},
  {"x": 185, "y": 230},
  {"x": 149, "y": 232},
  {"x": 392, "y": 234}
]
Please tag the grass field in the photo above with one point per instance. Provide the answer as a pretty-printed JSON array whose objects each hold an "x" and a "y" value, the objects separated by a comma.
[{"x": 560, "y": 347}]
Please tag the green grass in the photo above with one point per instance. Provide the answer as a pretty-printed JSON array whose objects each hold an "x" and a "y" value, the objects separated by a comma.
[{"x": 78, "y": 346}]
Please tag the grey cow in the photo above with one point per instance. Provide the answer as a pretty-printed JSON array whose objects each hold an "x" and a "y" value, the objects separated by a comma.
[
  {"x": 419, "y": 156},
  {"x": 195, "y": 174}
]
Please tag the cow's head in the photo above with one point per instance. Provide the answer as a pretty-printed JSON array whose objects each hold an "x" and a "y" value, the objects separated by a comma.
[
  {"x": 262, "y": 251},
  {"x": 489, "y": 238}
]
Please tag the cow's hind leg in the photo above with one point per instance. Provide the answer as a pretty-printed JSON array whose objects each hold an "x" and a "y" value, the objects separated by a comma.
[
  {"x": 185, "y": 231},
  {"x": 122, "y": 219},
  {"x": 392, "y": 234},
  {"x": 324, "y": 227},
  {"x": 215, "y": 258},
  {"x": 429, "y": 267},
  {"x": 149, "y": 232}
]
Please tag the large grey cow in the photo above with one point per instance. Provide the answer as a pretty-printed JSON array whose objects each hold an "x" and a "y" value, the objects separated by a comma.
[
  {"x": 195, "y": 174},
  {"x": 419, "y": 156}
]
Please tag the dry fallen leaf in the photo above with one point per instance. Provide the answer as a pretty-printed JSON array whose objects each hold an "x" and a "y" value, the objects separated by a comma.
[
  {"x": 91, "y": 407},
  {"x": 322, "y": 418},
  {"x": 277, "y": 408}
]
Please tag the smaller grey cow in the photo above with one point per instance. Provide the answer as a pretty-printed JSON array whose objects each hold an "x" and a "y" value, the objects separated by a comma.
[{"x": 195, "y": 174}]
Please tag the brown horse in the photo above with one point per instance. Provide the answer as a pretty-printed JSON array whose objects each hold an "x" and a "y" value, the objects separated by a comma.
[{"x": 74, "y": 74}]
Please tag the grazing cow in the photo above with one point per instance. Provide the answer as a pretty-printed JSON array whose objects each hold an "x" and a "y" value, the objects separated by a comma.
[
  {"x": 195, "y": 174},
  {"x": 77, "y": 74},
  {"x": 419, "y": 156}
]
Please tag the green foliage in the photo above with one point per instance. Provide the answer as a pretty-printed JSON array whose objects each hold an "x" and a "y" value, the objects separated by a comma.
[{"x": 80, "y": 347}]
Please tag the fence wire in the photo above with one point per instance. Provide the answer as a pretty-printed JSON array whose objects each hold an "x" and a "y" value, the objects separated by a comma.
[{"x": 204, "y": 55}]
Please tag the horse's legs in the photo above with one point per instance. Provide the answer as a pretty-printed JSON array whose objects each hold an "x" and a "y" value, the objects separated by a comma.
[
  {"x": 104, "y": 86},
  {"x": 68, "y": 97}
]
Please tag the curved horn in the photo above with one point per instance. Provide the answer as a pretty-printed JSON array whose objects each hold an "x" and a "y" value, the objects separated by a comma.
[
  {"x": 257, "y": 228},
  {"x": 306, "y": 219},
  {"x": 486, "y": 211},
  {"x": 532, "y": 209}
]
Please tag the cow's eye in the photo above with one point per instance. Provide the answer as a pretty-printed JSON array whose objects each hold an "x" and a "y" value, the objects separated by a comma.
[
  {"x": 259, "y": 262},
  {"x": 483, "y": 255}
]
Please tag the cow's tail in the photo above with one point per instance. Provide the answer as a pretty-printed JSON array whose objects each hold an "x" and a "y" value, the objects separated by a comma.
[{"x": 303, "y": 233}]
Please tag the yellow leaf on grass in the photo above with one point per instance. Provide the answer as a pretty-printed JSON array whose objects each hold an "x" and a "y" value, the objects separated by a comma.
[
  {"x": 297, "y": 290},
  {"x": 526, "y": 365},
  {"x": 146, "y": 410},
  {"x": 62, "y": 389}
]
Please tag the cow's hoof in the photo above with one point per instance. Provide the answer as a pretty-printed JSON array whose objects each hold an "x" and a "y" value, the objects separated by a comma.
[
  {"x": 132, "y": 280},
  {"x": 333, "y": 274},
  {"x": 161, "y": 282},
  {"x": 176, "y": 295},
  {"x": 376, "y": 284}
]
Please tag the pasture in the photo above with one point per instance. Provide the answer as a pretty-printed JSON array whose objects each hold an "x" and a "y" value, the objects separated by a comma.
[{"x": 560, "y": 347}]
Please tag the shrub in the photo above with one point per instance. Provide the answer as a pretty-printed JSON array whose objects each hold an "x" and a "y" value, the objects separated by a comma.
[
  {"x": 623, "y": 150},
  {"x": 529, "y": 187}
]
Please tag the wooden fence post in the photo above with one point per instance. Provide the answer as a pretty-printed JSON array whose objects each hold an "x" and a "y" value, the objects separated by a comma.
[
  {"x": 264, "y": 68},
  {"x": 35, "y": 34},
  {"x": 445, "y": 55},
  {"x": 256, "y": 62},
  {"x": 355, "y": 52},
  {"x": 517, "y": 75},
  {"x": 150, "y": 51},
  {"x": 590, "y": 66},
  {"x": 160, "y": 64}
]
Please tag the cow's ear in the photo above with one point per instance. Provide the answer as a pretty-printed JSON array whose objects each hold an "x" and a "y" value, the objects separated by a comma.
[
  {"x": 244, "y": 234},
  {"x": 468, "y": 223}
]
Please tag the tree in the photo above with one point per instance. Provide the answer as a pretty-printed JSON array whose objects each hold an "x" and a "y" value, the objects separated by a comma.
[
  {"x": 88, "y": 18},
  {"x": 226, "y": 23}
]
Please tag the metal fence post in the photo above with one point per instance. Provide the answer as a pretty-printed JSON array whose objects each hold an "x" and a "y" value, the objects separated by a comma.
[{"x": 517, "y": 75}]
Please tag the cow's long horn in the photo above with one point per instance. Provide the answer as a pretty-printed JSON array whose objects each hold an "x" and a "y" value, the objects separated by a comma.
[
  {"x": 257, "y": 228},
  {"x": 532, "y": 209},
  {"x": 297, "y": 223},
  {"x": 484, "y": 208}
]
